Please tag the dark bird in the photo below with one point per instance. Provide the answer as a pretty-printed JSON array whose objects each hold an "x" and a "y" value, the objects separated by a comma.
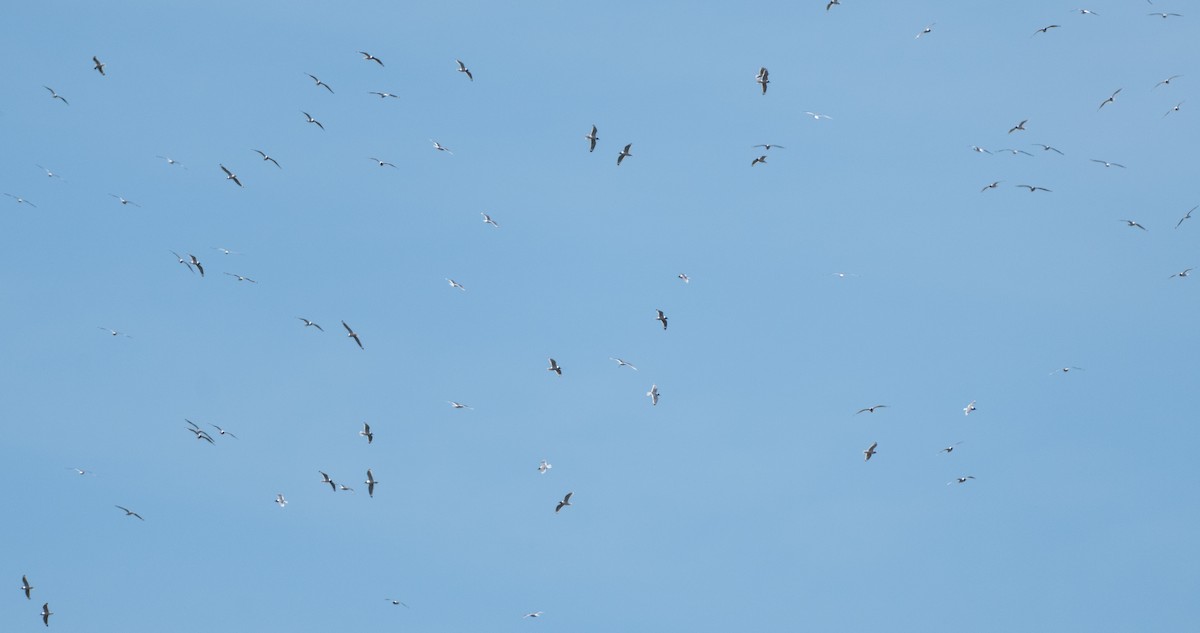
[
  {"x": 352, "y": 334},
  {"x": 308, "y": 323},
  {"x": 266, "y": 158},
  {"x": 320, "y": 83},
  {"x": 624, "y": 154},
  {"x": 1047, "y": 148},
  {"x": 312, "y": 120},
  {"x": 761, "y": 159},
  {"x": 462, "y": 68},
  {"x": 960, "y": 480},
  {"x": 870, "y": 452},
  {"x": 370, "y": 484},
  {"x": 55, "y": 95},
  {"x": 1110, "y": 99},
  {"x": 384, "y": 163},
  {"x": 195, "y": 262},
  {"x": 592, "y": 138},
  {"x": 1167, "y": 81},
  {"x": 1032, "y": 188},
  {"x": 1045, "y": 29},
  {"x": 200, "y": 433},
  {"x": 326, "y": 480},
  {"x": 26, "y": 587},
  {"x": 366, "y": 432},
  {"x": 99, "y": 67},
  {"x": 231, "y": 176},
  {"x": 832, "y": 3},
  {"x": 46, "y": 612},
  {"x": 371, "y": 58},
  {"x": 1132, "y": 224},
  {"x": 1018, "y": 127},
  {"x": 762, "y": 78},
  {"x": 925, "y": 31},
  {"x": 1186, "y": 217},
  {"x": 871, "y": 409},
  {"x": 1014, "y": 152},
  {"x": 662, "y": 318},
  {"x": 242, "y": 277},
  {"x": 130, "y": 513},
  {"x": 125, "y": 201},
  {"x": 566, "y": 501},
  {"x": 554, "y": 367},
  {"x": 950, "y": 449}
]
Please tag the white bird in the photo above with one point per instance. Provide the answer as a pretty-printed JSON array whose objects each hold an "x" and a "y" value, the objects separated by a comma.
[
  {"x": 308, "y": 323},
  {"x": 624, "y": 154},
  {"x": 371, "y": 58},
  {"x": 993, "y": 185},
  {"x": 554, "y": 367},
  {"x": 396, "y": 602},
  {"x": 1175, "y": 108},
  {"x": 184, "y": 261},
  {"x": 1111, "y": 98},
  {"x": 1132, "y": 224},
  {"x": 662, "y": 318},
  {"x": 455, "y": 284},
  {"x": 544, "y": 466},
  {"x": 566, "y": 501},
  {"x": 1166, "y": 15},
  {"x": 200, "y": 433},
  {"x": 231, "y": 176},
  {"x": 925, "y": 31},
  {"x": 762, "y": 78},
  {"x": 653, "y": 395},
  {"x": 225, "y": 251},
  {"x": 1182, "y": 273},
  {"x": 1106, "y": 163},
  {"x": 1086, "y": 12},
  {"x": 268, "y": 158},
  {"x": 487, "y": 219},
  {"x": 242, "y": 278},
  {"x": 131, "y": 513},
  {"x": 370, "y": 483},
  {"x": 768, "y": 146},
  {"x": 969, "y": 408},
  {"x": 384, "y": 95},
  {"x": 462, "y": 68},
  {"x": 21, "y": 200},
  {"x": 817, "y": 116},
  {"x": 1047, "y": 148},
  {"x": 684, "y": 278},
  {"x": 536, "y": 614},
  {"x": 761, "y": 159},
  {"x": 80, "y": 471},
  {"x": 55, "y": 95},
  {"x": 1167, "y": 81},
  {"x": 384, "y": 163},
  {"x": 113, "y": 332},
  {"x": 622, "y": 363},
  {"x": 457, "y": 405},
  {"x": 221, "y": 431},
  {"x": 280, "y": 500},
  {"x": 441, "y": 148},
  {"x": 326, "y": 480},
  {"x": 321, "y": 83},
  {"x": 867, "y": 454},
  {"x": 366, "y": 432},
  {"x": 49, "y": 174},
  {"x": 1065, "y": 370},
  {"x": 195, "y": 262},
  {"x": 980, "y": 150},
  {"x": 592, "y": 138},
  {"x": 170, "y": 161},
  {"x": 312, "y": 120}
]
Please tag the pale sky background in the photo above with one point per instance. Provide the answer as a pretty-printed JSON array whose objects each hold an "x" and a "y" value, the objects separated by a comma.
[{"x": 741, "y": 501}]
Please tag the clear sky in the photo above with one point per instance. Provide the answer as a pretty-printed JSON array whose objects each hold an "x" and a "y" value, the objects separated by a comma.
[{"x": 742, "y": 500}]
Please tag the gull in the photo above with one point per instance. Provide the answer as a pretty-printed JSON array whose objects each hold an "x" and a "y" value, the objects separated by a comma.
[
  {"x": 312, "y": 120},
  {"x": 592, "y": 138},
  {"x": 321, "y": 83},
  {"x": 925, "y": 31},
  {"x": 761, "y": 159},
  {"x": 1173, "y": 109},
  {"x": 231, "y": 176},
  {"x": 383, "y": 163},
  {"x": 817, "y": 116},
  {"x": 308, "y": 323},
  {"x": 1086, "y": 12},
  {"x": 979, "y": 149},
  {"x": 371, "y": 58},
  {"x": 124, "y": 200},
  {"x": 768, "y": 146},
  {"x": 950, "y": 449},
  {"x": 221, "y": 431},
  {"x": 183, "y": 261},
  {"x": 871, "y": 409},
  {"x": 99, "y": 65},
  {"x": 326, "y": 480},
  {"x": 26, "y": 587},
  {"x": 345, "y": 488},
  {"x": 1014, "y": 152},
  {"x": 225, "y": 251},
  {"x": 1167, "y": 81},
  {"x": 113, "y": 332},
  {"x": 242, "y": 278},
  {"x": 46, "y": 612},
  {"x": 969, "y": 408},
  {"x": 566, "y": 501},
  {"x": 1166, "y": 15},
  {"x": 80, "y": 471},
  {"x": 385, "y": 95},
  {"x": 354, "y": 335},
  {"x": 170, "y": 161},
  {"x": 622, "y": 363},
  {"x": 1045, "y": 29},
  {"x": 49, "y": 174},
  {"x": 1182, "y": 273},
  {"x": 537, "y": 614},
  {"x": 993, "y": 185},
  {"x": 661, "y": 317},
  {"x": 457, "y": 405},
  {"x": 624, "y": 154},
  {"x": 130, "y": 513},
  {"x": 462, "y": 68},
  {"x": 762, "y": 78},
  {"x": 266, "y": 158},
  {"x": 21, "y": 200},
  {"x": 441, "y": 148},
  {"x": 455, "y": 284},
  {"x": 1066, "y": 370},
  {"x": 1131, "y": 224},
  {"x": 370, "y": 483},
  {"x": 684, "y": 278},
  {"x": 1186, "y": 217},
  {"x": 1047, "y": 148},
  {"x": 544, "y": 466},
  {"x": 653, "y": 395},
  {"x": 366, "y": 432},
  {"x": 200, "y": 433},
  {"x": 960, "y": 480},
  {"x": 487, "y": 219},
  {"x": 554, "y": 367},
  {"x": 844, "y": 275},
  {"x": 832, "y": 3},
  {"x": 1106, "y": 163},
  {"x": 195, "y": 262},
  {"x": 1110, "y": 99},
  {"x": 396, "y": 602},
  {"x": 867, "y": 454},
  {"x": 1032, "y": 189},
  {"x": 55, "y": 95},
  {"x": 280, "y": 500}
]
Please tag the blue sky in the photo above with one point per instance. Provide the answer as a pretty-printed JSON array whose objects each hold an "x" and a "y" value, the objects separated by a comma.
[{"x": 741, "y": 499}]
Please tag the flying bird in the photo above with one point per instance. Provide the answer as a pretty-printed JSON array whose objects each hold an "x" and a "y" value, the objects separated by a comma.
[
  {"x": 99, "y": 65},
  {"x": 321, "y": 83},
  {"x": 1174, "y": 108},
  {"x": 242, "y": 278},
  {"x": 867, "y": 454},
  {"x": 950, "y": 449},
  {"x": 1132, "y": 224},
  {"x": 225, "y": 251},
  {"x": 817, "y": 116},
  {"x": 762, "y": 78},
  {"x": 1182, "y": 273},
  {"x": 113, "y": 332},
  {"x": 184, "y": 261},
  {"x": 1166, "y": 15},
  {"x": 384, "y": 163},
  {"x": 1047, "y": 148},
  {"x": 441, "y": 148},
  {"x": 366, "y": 432},
  {"x": 385, "y": 95},
  {"x": 993, "y": 185},
  {"x": 761, "y": 159},
  {"x": 653, "y": 395},
  {"x": 1066, "y": 370},
  {"x": 345, "y": 488},
  {"x": 1018, "y": 127},
  {"x": 396, "y": 602},
  {"x": 1032, "y": 188},
  {"x": 544, "y": 466},
  {"x": 455, "y": 284},
  {"x": 566, "y": 501},
  {"x": 21, "y": 200},
  {"x": 462, "y": 68},
  {"x": 487, "y": 219},
  {"x": 370, "y": 484},
  {"x": 1186, "y": 217},
  {"x": 1167, "y": 81},
  {"x": 130, "y": 513},
  {"x": 326, "y": 480},
  {"x": 231, "y": 176},
  {"x": 221, "y": 431},
  {"x": 979, "y": 149},
  {"x": 195, "y": 262},
  {"x": 312, "y": 120},
  {"x": 662, "y": 318},
  {"x": 457, "y": 405},
  {"x": 537, "y": 614},
  {"x": 871, "y": 409},
  {"x": 46, "y": 612},
  {"x": 49, "y": 174},
  {"x": 1086, "y": 12},
  {"x": 624, "y": 154},
  {"x": 280, "y": 500},
  {"x": 170, "y": 161},
  {"x": 266, "y": 158},
  {"x": 684, "y": 278},
  {"x": 554, "y": 367},
  {"x": 1045, "y": 29},
  {"x": 1110, "y": 99},
  {"x": 832, "y": 3},
  {"x": 925, "y": 31},
  {"x": 352, "y": 334},
  {"x": 55, "y": 95},
  {"x": 622, "y": 363},
  {"x": 969, "y": 408},
  {"x": 592, "y": 138},
  {"x": 1014, "y": 152},
  {"x": 1106, "y": 163},
  {"x": 768, "y": 146},
  {"x": 371, "y": 58},
  {"x": 26, "y": 587},
  {"x": 200, "y": 433},
  {"x": 125, "y": 201},
  {"x": 308, "y": 323},
  {"x": 960, "y": 480}
]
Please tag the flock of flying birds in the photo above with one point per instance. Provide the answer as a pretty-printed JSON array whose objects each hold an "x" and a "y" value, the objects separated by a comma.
[{"x": 762, "y": 79}]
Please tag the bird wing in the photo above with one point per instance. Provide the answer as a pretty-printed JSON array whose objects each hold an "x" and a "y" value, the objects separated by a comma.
[
  {"x": 227, "y": 172},
  {"x": 347, "y": 327}
]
